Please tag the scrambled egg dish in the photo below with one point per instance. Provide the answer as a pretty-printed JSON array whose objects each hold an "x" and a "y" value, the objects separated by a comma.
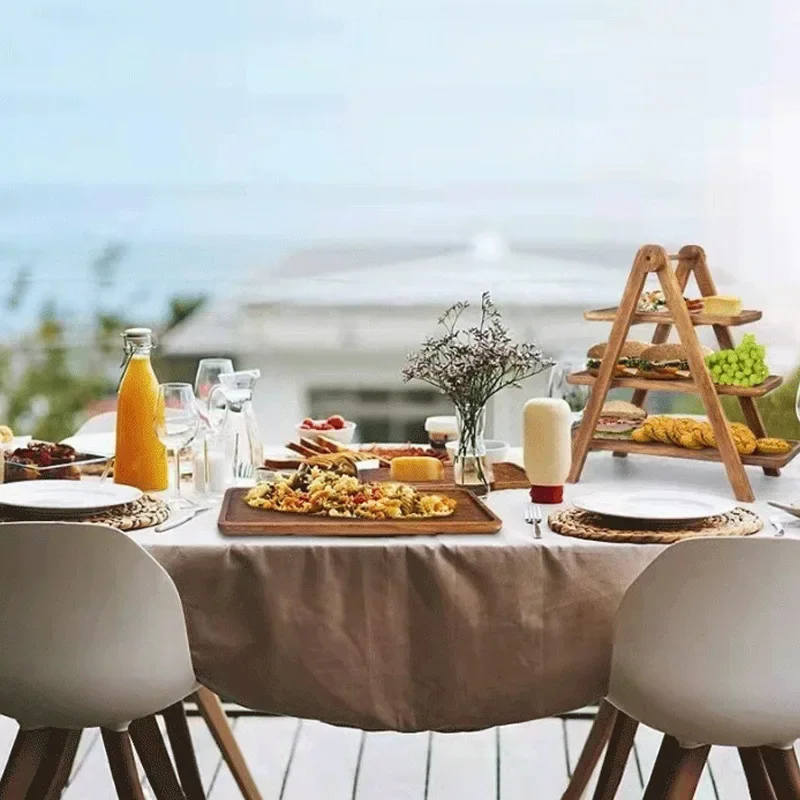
[{"x": 329, "y": 494}]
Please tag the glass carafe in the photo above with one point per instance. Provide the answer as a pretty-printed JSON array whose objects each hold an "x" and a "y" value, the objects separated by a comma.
[{"x": 238, "y": 432}]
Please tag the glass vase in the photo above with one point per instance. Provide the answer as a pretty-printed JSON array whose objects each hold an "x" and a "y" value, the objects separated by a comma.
[{"x": 471, "y": 468}]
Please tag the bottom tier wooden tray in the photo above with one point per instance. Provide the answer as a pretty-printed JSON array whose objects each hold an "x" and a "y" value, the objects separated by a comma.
[{"x": 774, "y": 461}]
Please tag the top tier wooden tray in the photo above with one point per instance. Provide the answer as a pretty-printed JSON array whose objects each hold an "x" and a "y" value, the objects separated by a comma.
[
  {"x": 687, "y": 386},
  {"x": 691, "y": 260},
  {"x": 661, "y": 317}
]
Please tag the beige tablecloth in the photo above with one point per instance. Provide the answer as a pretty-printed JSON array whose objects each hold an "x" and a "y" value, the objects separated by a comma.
[{"x": 430, "y": 633}]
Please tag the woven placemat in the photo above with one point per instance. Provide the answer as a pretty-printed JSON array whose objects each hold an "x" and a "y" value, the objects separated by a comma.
[
  {"x": 584, "y": 525},
  {"x": 142, "y": 513}
]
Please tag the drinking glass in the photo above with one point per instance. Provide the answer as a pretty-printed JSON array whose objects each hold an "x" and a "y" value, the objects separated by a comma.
[
  {"x": 207, "y": 377},
  {"x": 208, "y": 372},
  {"x": 576, "y": 396},
  {"x": 797, "y": 404},
  {"x": 177, "y": 422}
]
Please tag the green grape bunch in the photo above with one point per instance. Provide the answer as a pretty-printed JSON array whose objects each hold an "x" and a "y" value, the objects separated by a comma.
[{"x": 742, "y": 366}]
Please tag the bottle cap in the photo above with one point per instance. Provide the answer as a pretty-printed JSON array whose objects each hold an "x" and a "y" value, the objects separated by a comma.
[
  {"x": 547, "y": 494},
  {"x": 138, "y": 335},
  {"x": 442, "y": 425}
]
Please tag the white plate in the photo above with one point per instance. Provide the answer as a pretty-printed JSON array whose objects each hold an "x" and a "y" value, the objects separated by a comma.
[
  {"x": 101, "y": 444},
  {"x": 655, "y": 504},
  {"x": 67, "y": 496}
]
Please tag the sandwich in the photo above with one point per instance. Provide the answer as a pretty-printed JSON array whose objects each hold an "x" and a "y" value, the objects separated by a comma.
[
  {"x": 666, "y": 361},
  {"x": 618, "y": 420},
  {"x": 627, "y": 363}
]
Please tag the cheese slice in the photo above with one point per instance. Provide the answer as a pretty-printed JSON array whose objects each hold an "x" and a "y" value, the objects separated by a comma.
[
  {"x": 416, "y": 469},
  {"x": 718, "y": 305}
]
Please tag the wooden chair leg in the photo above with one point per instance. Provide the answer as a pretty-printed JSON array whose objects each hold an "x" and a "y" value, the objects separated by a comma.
[
  {"x": 123, "y": 765},
  {"x": 50, "y": 764},
  {"x": 27, "y": 753},
  {"x": 146, "y": 737},
  {"x": 676, "y": 772},
  {"x": 64, "y": 771},
  {"x": 619, "y": 748},
  {"x": 592, "y": 750},
  {"x": 783, "y": 772},
  {"x": 214, "y": 715},
  {"x": 755, "y": 770},
  {"x": 180, "y": 740}
]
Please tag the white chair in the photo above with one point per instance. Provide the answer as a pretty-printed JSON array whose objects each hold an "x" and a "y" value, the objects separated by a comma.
[
  {"x": 92, "y": 634},
  {"x": 705, "y": 651},
  {"x": 100, "y": 423}
]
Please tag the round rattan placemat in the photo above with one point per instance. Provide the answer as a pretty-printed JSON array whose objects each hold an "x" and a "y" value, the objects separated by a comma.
[
  {"x": 142, "y": 513},
  {"x": 584, "y": 525}
]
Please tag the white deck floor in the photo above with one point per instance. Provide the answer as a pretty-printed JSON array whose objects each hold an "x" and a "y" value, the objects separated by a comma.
[{"x": 305, "y": 760}]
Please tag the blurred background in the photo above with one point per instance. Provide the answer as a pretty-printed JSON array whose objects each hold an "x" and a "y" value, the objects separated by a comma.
[{"x": 305, "y": 186}]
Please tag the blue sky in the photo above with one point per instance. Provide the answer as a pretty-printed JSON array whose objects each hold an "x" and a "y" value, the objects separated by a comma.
[
  {"x": 171, "y": 120},
  {"x": 356, "y": 92}
]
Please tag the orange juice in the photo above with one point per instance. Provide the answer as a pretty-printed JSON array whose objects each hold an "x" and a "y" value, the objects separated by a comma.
[{"x": 141, "y": 459}]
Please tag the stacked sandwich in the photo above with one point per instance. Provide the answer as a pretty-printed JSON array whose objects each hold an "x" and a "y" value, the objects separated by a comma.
[
  {"x": 639, "y": 359},
  {"x": 618, "y": 420}
]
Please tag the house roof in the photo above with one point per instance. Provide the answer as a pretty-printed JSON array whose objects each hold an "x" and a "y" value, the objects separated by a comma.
[
  {"x": 513, "y": 278},
  {"x": 397, "y": 278}
]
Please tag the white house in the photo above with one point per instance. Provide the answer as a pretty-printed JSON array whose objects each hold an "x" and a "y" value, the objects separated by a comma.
[{"x": 330, "y": 329}]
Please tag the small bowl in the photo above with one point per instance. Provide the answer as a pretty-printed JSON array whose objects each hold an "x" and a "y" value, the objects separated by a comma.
[
  {"x": 341, "y": 435},
  {"x": 496, "y": 451}
]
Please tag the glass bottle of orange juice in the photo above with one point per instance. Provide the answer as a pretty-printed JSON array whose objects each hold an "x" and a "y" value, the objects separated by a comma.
[{"x": 141, "y": 459}]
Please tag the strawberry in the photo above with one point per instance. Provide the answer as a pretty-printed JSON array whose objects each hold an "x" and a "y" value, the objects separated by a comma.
[
  {"x": 325, "y": 426},
  {"x": 336, "y": 422},
  {"x": 307, "y": 423}
]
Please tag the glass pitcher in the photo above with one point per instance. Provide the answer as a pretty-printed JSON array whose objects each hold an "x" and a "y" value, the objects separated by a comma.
[{"x": 239, "y": 437}]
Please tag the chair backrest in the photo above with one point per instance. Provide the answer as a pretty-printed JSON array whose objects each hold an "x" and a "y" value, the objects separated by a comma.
[
  {"x": 92, "y": 631},
  {"x": 100, "y": 423},
  {"x": 713, "y": 624}
]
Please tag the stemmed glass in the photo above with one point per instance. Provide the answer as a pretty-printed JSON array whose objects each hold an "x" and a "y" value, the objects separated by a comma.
[
  {"x": 177, "y": 422},
  {"x": 576, "y": 396},
  {"x": 208, "y": 372}
]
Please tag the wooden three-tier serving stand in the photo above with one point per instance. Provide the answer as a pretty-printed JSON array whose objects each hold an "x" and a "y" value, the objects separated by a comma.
[{"x": 690, "y": 260}]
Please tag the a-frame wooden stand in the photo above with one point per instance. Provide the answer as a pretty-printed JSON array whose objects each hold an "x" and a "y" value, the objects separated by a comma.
[{"x": 690, "y": 260}]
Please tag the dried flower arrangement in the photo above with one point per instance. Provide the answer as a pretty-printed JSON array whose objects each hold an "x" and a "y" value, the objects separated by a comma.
[{"x": 470, "y": 365}]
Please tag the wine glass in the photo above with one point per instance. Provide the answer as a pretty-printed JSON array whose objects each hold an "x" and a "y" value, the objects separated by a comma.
[
  {"x": 177, "y": 422},
  {"x": 575, "y": 396},
  {"x": 208, "y": 372}
]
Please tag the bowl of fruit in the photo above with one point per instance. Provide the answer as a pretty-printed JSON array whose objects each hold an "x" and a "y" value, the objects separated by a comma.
[{"x": 335, "y": 427}]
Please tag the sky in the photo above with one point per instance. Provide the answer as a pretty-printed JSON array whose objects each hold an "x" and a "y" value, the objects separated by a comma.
[{"x": 292, "y": 120}]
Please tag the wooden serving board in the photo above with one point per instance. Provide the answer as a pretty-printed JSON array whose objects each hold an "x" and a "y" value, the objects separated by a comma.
[
  {"x": 507, "y": 475},
  {"x": 769, "y": 461},
  {"x": 236, "y": 518},
  {"x": 684, "y": 385}
]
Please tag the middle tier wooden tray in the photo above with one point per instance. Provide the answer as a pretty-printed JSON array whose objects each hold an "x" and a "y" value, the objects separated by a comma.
[
  {"x": 685, "y": 386},
  {"x": 766, "y": 461},
  {"x": 471, "y": 516}
]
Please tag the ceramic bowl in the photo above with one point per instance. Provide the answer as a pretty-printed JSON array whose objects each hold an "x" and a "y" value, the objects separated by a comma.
[
  {"x": 496, "y": 450},
  {"x": 341, "y": 435}
]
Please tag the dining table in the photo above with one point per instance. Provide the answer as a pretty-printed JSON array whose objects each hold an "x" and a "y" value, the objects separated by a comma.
[{"x": 433, "y": 632}]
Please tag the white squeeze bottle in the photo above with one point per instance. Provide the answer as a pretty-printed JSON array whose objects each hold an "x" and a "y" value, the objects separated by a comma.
[{"x": 547, "y": 447}]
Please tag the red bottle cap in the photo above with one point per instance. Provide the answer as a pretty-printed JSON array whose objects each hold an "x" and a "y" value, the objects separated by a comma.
[{"x": 547, "y": 494}]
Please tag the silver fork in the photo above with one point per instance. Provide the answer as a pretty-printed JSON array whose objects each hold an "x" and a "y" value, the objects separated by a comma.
[
  {"x": 533, "y": 516},
  {"x": 778, "y": 526}
]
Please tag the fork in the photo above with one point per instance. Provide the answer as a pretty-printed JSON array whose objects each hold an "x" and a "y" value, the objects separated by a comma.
[
  {"x": 533, "y": 516},
  {"x": 537, "y": 521},
  {"x": 776, "y": 524}
]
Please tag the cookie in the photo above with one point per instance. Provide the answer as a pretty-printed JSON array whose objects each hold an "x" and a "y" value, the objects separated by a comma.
[{"x": 770, "y": 446}]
